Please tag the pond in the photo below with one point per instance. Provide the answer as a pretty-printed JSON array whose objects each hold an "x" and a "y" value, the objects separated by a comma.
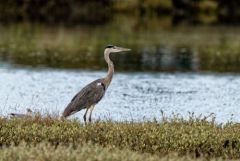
[
  {"x": 177, "y": 70},
  {"x": 131, "y": 96}
]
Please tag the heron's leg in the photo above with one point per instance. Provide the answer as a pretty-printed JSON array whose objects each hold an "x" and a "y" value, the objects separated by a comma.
[
  {"x": 90, "y": 116},
  {"x": 85, "y": 116}
]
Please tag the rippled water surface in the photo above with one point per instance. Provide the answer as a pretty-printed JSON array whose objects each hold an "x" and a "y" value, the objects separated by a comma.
[{"x": 131, "y": 96}]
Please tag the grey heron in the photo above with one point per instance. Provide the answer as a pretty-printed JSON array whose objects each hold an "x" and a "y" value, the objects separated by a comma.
[{"x": 92, "y": 93}]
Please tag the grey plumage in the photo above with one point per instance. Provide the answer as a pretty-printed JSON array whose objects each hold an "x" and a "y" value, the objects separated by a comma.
[
  {"x": 92, "y": 93},
  {"x": 89, "y": 95}
]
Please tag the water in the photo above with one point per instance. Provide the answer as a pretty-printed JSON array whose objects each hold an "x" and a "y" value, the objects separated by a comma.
[
  {"x": 154, "y": 47},
  {"x": 131, "y": 96},
  {"x": 175, "y": 69}
]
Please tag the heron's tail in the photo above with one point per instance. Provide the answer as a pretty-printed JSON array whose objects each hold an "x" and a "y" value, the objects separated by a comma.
[
  {"x": 69, "y": 110},
  {"x": 66, "y": 112}
]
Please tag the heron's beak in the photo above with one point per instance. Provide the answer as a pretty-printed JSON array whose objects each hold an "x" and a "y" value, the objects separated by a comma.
[{"x": 122, "y": 49}]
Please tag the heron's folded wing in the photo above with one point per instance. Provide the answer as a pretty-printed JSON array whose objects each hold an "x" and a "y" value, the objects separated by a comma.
[{"x": 89, "y": 95}]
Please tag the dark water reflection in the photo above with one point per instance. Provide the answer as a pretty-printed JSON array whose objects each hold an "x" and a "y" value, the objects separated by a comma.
[
  {"x": 161, "y": 59},
  {"x": 155, "y": 46}
]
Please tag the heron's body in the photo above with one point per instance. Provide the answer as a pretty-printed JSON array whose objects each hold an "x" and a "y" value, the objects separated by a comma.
[
  {"x": 92, "y": 93},
  {"x": 88, "y": 96}
]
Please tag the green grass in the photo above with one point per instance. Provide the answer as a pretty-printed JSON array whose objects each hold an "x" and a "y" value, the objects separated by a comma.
[
  {"x": 89, "y": 152},
  {"x": 195, "y": 137}
]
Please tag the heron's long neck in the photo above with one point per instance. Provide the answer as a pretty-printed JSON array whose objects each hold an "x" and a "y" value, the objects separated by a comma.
[{"x": 109, "y": 76}]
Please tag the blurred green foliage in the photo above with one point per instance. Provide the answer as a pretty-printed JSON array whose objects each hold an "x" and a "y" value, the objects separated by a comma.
[
  {"x": 89, "y": 152},
  {"x": 99, "y": 12},
  {"x": 52, "y": 11}
]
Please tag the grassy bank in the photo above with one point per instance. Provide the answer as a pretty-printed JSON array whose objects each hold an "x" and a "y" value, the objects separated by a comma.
[
  {"x": 194, "y": 137},
  {"x": 90, "y": 152}
]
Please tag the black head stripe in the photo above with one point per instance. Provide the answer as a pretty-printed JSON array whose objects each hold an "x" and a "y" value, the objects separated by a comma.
[{"x": 109, "y": 46}]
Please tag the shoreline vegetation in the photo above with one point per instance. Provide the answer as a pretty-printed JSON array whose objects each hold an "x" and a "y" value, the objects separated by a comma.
[
  {"x": 72, "y": 34},
  {"x": 176, "y": 138},
  {"x": 100, "y": 12}
]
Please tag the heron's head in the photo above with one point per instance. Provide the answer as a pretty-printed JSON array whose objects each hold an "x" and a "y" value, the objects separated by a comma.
[{"x": 115, "y": 49}]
